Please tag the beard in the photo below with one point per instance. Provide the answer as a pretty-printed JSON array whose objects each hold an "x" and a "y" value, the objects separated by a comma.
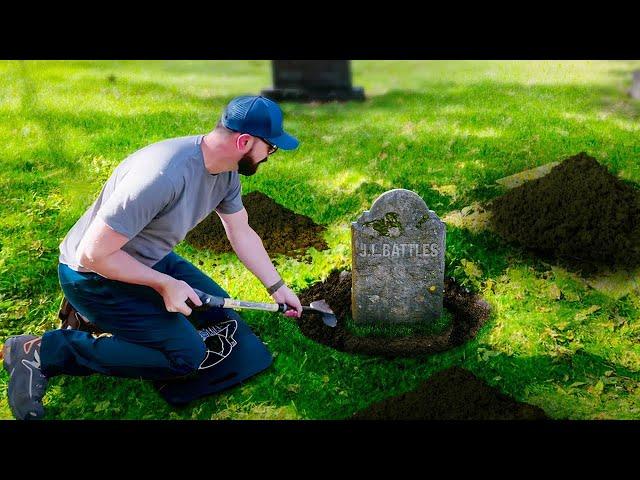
[{"x": 247, "y": 167}]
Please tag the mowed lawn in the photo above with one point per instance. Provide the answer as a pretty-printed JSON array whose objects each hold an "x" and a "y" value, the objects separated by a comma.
[{"x": 446, "y": 130}]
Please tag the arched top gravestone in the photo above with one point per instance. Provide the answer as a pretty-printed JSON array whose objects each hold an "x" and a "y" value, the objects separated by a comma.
[{"x": 398, "y": 249}]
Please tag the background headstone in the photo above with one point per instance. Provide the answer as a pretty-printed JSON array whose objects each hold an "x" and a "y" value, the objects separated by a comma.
[
  {"x": 635, "y": 86},
  {"x": 398, "y": 251},
  {"x": 309, "y": 80}
]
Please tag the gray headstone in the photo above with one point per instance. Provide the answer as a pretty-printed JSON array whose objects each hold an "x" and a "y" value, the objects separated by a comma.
[
  {"x": 398, "y": 250},
  {"x": 635, "y": 86}
]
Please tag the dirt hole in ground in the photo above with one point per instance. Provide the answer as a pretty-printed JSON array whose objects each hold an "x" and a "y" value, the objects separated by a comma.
[
  {"x": 579, "y": 215},
  {"x": 469, "y": 311},
  {"x": 451, "y": 394},
  {"x": 281, "y": 230}
]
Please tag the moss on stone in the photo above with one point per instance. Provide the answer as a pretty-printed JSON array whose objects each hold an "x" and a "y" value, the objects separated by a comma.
[{"x": 384, "y": 224}]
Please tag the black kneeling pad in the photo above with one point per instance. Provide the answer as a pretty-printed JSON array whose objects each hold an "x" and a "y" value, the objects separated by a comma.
[{"x": 234, "y": 353}]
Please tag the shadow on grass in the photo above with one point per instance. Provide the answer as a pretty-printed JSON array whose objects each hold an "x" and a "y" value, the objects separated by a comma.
[
  {"x": 574, "y": 375},
  {"x": 433, "y": 131},
  {"x": 435, "y": 126},
  {"x": 460, "y": 135},
  {"x": 97, "y": 396}
]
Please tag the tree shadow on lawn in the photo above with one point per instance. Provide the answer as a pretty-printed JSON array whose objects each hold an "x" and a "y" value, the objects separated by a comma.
[
  {"x": 479, "y": 113},
  {"x": 574, "y": 374},
  {"x": 430, "y": 155},
  {"x": 484, "y": 103},
  {"x": 479, "y": 133},
  {"x": 122, "y": 78},
  {"x": 519, "y": 376},
  {"x": 402, "y": 139},
  {"x": 469, "y": 146},
  {"x": 31, "y": 110}
]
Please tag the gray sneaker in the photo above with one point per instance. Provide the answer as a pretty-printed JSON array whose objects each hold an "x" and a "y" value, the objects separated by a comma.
[{"x": 27, "y": 384}]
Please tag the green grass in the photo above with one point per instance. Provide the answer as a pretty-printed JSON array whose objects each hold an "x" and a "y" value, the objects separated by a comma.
[
  {"x": 436, "y": 327},
  {"x": 446, "y": 130}
]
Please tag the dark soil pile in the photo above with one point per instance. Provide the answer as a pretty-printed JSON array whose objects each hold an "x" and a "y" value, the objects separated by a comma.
[
  {"x": 470, "y": 312},
  {"x": 451, "y": 394},
  {"x": 578, "y": 215},
  {"x": 281, "y": 230}
]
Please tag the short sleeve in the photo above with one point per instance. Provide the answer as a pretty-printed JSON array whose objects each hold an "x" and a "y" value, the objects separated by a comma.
[
  {"x": 135, "y": 201},
  {"x": 232, "y": 202}
]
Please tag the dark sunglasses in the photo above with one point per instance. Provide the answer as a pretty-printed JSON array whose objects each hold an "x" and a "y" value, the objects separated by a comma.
[{"x": 272, "y": 148}]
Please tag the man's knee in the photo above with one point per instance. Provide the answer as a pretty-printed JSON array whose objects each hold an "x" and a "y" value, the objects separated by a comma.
[{"x": 188, "y": 357}]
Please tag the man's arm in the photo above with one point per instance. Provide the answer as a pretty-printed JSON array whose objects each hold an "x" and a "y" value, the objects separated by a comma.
[
  {"x": 100, "y": 251},
  {"x": 249, "y": 248}
]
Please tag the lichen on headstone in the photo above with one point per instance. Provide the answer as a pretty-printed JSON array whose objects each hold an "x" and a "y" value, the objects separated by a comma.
[{"x": 385, "y": 226}]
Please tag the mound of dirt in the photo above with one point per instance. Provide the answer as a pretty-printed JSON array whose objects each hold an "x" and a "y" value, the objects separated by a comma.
[
  {"x": 579, "y": 215},
  {"x": 470, "y": 312},
  {"x": 451, "y": 394},
  {"x": 281, "y": 230}
]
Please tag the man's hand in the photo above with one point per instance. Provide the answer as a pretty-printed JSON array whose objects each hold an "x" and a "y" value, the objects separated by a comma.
[
  {"x": 175, "y": 294},
  {"x": 285, "y": 295},
  {"x": 250, "y": 250}
]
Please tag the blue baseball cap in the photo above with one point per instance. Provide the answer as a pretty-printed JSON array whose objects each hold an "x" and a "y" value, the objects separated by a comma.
[{"x": 260, "y": 117}]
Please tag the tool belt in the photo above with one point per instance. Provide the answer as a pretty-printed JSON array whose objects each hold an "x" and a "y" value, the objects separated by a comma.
[{"x": 70, "y": 318}]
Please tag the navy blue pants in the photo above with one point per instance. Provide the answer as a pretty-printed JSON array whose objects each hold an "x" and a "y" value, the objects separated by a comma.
[{"x": 147, "y": 341}]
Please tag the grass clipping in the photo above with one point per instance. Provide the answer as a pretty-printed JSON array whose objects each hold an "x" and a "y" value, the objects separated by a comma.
[{"x": 578, "y": 215}]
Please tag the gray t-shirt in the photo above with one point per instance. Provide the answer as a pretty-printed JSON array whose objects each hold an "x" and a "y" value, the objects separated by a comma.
[{"x": 154, "y": 197}]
